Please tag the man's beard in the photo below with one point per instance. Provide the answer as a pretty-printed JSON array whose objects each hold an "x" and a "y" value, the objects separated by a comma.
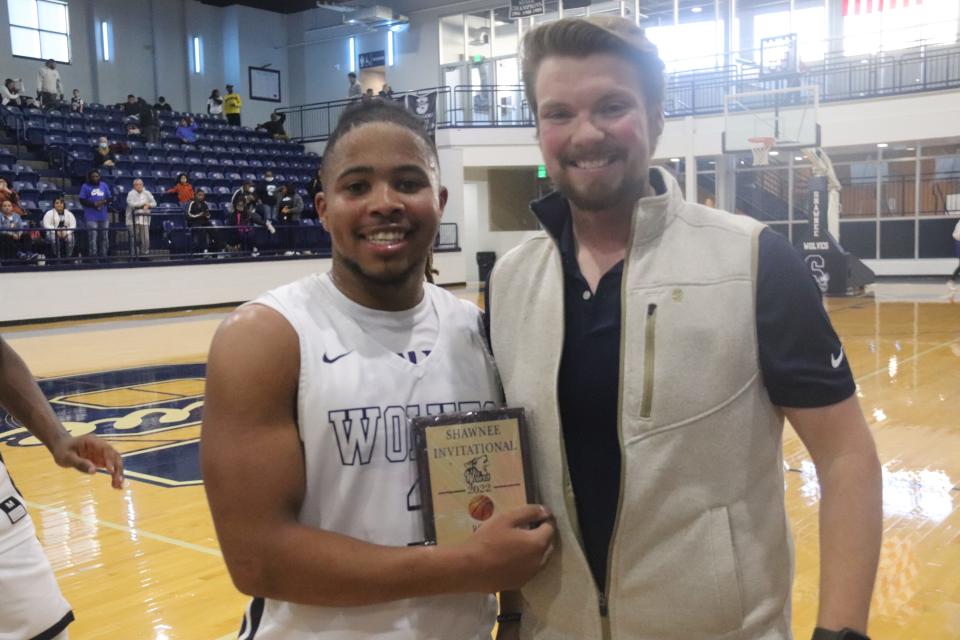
[{"x": 599, "y": 199}]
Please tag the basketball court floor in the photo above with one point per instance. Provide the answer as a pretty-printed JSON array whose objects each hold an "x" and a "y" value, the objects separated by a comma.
[{"x": 143, "y": 563}]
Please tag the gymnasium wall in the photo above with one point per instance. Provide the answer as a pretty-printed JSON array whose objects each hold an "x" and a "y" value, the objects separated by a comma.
[
  {"x": 151, "y": 49},
  {"x": 60, "y": 294},
  {"x": 320, "y": 73}
]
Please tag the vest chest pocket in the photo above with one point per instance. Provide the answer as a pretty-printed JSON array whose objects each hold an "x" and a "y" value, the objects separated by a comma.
[{"x": 694, "y": 350}]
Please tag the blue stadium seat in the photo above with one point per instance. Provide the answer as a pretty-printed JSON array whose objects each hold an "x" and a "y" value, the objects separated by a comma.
[
  {"x": 49, "y": 191},
  {"x": 44, "y": 205},
  {"x": 140, "y": 162},
  {"x": 27, "y": 190},
  {"x": 25, "y": 173},
  {"x": 35, "y": 128},
  {"x": 160, "y": 174},
  {"x": 54, "y": 140}
]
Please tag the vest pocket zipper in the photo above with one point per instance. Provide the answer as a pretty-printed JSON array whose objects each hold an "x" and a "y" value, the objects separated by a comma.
[{"x": 649, "y": 339}]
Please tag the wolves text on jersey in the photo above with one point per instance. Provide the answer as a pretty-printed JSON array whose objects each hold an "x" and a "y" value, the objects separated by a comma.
[{"x": 362, "y": 432}]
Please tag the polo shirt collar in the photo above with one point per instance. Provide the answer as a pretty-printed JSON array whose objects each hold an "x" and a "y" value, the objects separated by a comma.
[{"x": 650, "y": 213}]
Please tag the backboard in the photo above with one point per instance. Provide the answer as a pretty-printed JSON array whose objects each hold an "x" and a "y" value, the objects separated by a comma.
[{"x": 789, "y": 116}]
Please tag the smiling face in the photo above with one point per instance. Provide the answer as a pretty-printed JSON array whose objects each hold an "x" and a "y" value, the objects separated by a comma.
[
  {"x": 382, "y": 205},
  {"x": 596, "y": 134}
]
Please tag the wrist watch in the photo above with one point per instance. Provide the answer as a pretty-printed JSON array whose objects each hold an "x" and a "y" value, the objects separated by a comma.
[{"x": 843, "y": 634}]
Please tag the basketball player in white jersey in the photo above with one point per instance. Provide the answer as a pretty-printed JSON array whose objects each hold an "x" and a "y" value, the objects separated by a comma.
[
  {"x": 307, "y": 456},
  {"x": 31, "y": 605}
]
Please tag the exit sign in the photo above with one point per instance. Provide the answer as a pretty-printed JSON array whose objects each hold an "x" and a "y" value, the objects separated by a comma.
[{"x": 542, "y": 171}]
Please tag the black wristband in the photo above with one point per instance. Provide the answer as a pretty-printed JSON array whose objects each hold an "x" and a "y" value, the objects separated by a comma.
[
  {"x": 844, "y": 634},
  {"x": 508, "y": 617}
]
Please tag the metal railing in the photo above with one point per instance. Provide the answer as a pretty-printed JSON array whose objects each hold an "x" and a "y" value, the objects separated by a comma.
[
  {"x": 688, "y": 93},
  {"x": 171, "y": 242}
]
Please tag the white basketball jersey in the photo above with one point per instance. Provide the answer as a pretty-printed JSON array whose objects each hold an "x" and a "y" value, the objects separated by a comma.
[
  {"x": 354, "y": 399},
  {"x": 31, "y": 605},
  {"x": 15, "y": 523}
]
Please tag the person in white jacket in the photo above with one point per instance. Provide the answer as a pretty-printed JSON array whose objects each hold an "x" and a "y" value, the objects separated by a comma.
[
  {"x": 49, "y": 88},
  {"x": 60, "y": 223},
  {"x": 139, "y": 204}
]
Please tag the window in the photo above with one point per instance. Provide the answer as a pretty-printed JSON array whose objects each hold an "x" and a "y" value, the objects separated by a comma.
[{"x": 39, "y": 29}]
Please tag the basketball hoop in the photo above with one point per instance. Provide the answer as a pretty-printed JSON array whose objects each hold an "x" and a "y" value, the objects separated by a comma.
[{"x": 761, "y": 147}]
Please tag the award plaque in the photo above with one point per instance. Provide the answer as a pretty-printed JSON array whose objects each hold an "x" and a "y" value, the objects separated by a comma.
[{"x": 472, "y": 465}]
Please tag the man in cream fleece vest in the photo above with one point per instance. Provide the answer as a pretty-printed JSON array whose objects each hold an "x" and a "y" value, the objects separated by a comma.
[{"x": 657, "y": 346}]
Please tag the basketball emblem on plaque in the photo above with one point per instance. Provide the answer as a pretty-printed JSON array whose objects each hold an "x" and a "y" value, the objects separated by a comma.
[{"x": 472, "y": 465}]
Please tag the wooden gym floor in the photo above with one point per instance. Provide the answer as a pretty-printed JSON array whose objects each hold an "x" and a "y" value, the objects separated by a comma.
[{"x": 143, "y": 563}]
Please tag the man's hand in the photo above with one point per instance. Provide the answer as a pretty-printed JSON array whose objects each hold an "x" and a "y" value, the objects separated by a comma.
[
  {"x": 504, "y": 554},
  {"x": 88, "y": 453}
]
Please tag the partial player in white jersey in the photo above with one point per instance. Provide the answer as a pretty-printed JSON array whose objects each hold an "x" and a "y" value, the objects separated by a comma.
[
  {"x": 307, "y": 455},
  {"x": 31, "y": 605}
]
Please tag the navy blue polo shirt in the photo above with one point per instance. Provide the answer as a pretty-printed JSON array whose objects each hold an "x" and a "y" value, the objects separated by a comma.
[{"x": 794, "y": 334}]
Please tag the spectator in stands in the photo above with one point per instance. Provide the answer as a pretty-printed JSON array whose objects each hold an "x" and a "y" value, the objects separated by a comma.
[
  {"x": 215, "y": 104},
  {"x": 267, "y": 196},
  {"x": 289, "y": 204},
  {"x": 133, "y": 128},
  {"x": 274, "y": 126},
  {"x": 131, "y": 107},
  {"x": 149, "y": 123},
  {"x": 187, "y": 131},
  {"x": 231, "y": 106},
  {"x": 12, "y": 93},
  {"x": 140, "y": 203},
  {"x": 198, "y": 219},
  {"x": 354, "y": 90},
  {"x": 183, "y": 189},
  {"x": 289, "y": 208},
  {"x": 60, "y": 223},
  {"x": 368, "y": 95},
  {"x": 76, "y": 102},
  {"x": 103, "y": 156},
  {"x": 9, "y": 195},
  {"x": 162, "y": 105},
  {"x": 49, "y": 89},
  {"x": 15, "y": 239},
  {"x": 244, "y": 204},
  {"x": 386, "y": 92},
  {"x": 316, "y": 184},
  {"x": 95, "y": 196}
]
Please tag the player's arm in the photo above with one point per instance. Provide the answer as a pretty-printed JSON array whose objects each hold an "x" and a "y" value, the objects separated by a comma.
[
  {"x": 253, "y": 471},
  {"x": 23, "y": 399},
  {"x": 808, "y": 376},
  {"x": 851, "y": 508}
]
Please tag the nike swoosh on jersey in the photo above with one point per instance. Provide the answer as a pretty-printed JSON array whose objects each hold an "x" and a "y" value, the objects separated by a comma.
[
  {"x": 332, "y": 360},
  {"x": 836, "y": 360}
]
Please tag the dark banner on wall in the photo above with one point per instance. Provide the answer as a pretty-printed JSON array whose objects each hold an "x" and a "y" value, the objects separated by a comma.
[
  {"x": 425, "y": 108},
  {"x": 526, "y": 8}
]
